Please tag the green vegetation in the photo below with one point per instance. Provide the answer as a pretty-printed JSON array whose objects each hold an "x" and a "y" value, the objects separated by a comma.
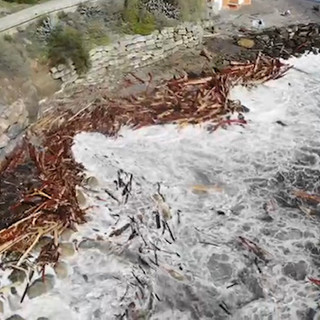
[
  {"x": 62, "y": 15},
  {"x": 136, "y": 19},
  {"x": 74, "y": 34},
  {"x": 8, "y": 38},
  {"x": 71, "y": 38},
  {"x": 68, "y": 44},
  {"x": 191, "y": 10},
  {"x": 97, "y": 34}
]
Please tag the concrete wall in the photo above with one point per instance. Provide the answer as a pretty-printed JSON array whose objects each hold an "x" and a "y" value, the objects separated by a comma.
[{"x": 133, "y": 52}]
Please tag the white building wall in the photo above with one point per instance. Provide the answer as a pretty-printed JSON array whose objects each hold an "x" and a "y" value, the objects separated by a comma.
[
  {"x": 215, "y": 6},
  {"x": 218, "y": 4}
]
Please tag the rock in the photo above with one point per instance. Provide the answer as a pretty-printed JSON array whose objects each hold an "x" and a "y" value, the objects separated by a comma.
[
  {"x": 40, "y": 287},
  {"x": 13, "y": 302},
  {"x": 43, "y": 318},
  {"x": 17, "y": 276},
  {"x": 88, "y": 244},
  {"x": 43, "y": 242},
  {"x": 312, "y": 248},
  {"x": 252, "y": 283},
  {"x": 67, "y": 249},
  {"x": 31, "y": 100},
  {"x": 80, "y": 197},
  {"x": 57, "y": 75},
  {"x": 292, "y": 234},
  {"x": 91, "y": 182},
  {"x": 103, "y": 246},
  {"x": 15, "y": 130},
  {"x": 54, "y": 70},
  {"x": 264, "y": 37},
  {"x": 4, "y": 140},
  {"x": 1, "y": 307},
  {"x": 308, "y": 314},
  {"x": 295, "y": 270},
  {"x": 97, "y": 314},
  {"x": 246, "y": 43},
  {"x": 13, "y": 290},
  {"x": 61, "y": 270},
  {"x": 182, "y": 31},
  {"x": 15, "y": 317},
  {"x": 221, "y": 271},
  {"x": 4, "y": 125},
  {"x": 66, "y": 234},
  {"x": 16, "y": 109}
]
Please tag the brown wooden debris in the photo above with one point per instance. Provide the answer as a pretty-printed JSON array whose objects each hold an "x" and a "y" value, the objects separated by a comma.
[
  {"x": 313, "y": 198},
  {"x": 47, "y": 203}
]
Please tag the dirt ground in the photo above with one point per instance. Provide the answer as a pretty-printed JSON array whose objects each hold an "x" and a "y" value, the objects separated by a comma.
[
  {"x": 22, "y": 75},
  {"x": 270, "y": 12},
  {"x": 301, "y": 11}
]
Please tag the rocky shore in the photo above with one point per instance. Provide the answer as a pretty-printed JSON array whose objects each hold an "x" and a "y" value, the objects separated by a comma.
[
  {"x": 46, "y": 199},
  {"x": 278, "y": 42},
  {"x": 284, "y": 42}
]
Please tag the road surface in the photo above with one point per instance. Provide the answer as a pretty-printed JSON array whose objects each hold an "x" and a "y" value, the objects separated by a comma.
[{"x": 21, "y": 18}]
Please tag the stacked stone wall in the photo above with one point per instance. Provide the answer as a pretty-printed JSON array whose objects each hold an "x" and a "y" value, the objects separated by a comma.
[{"x": 133, "y": 52}]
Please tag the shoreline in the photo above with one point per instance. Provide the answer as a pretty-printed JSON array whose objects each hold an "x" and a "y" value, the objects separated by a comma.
[
  {"x": 222, "y": 198},
  {"x": 138, "y": 88},
  {"x": 53, "y": 160},
  {"x": 45, "y": 160}
]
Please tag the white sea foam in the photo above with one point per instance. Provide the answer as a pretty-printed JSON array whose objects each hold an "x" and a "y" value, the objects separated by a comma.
[{"x": 246, "y": 168}]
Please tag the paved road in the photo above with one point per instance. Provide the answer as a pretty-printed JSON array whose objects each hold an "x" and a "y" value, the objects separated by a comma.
[{"x": 23, "y": 17}]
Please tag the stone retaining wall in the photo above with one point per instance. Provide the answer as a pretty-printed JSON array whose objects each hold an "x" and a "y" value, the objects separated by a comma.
[
  {"x": 129, "y": 53},
  {"x": 133, "y": 52}
]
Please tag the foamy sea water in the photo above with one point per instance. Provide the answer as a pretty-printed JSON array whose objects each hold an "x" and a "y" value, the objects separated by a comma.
[{"x": 201, "y": 271}]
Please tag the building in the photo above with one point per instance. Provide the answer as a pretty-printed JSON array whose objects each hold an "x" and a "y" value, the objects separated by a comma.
[{"x": 217, "y": 5}]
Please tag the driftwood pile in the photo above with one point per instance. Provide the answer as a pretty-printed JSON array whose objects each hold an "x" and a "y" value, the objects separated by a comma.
[
  {"x": 47, "y": 193},
  {"x": 288, "y": 41}
]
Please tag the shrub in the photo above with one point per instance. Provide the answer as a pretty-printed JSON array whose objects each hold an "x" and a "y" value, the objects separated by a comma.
[
  {"x": 136, "y": 19},
  {"x": 62, "y": 15},
  {"x": 8, "y": 38},
  {"x": 97, "y": 34},
  {"x": 68, "y": 44}
]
